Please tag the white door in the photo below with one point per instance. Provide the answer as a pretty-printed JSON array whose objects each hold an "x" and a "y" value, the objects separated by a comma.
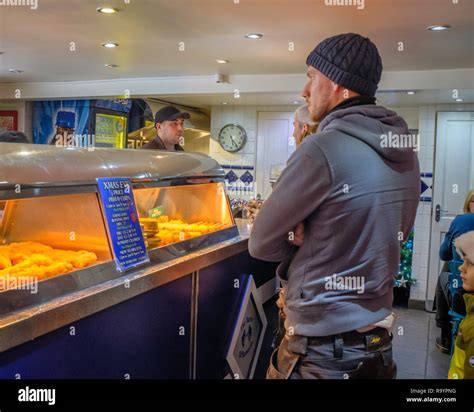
[
  {"x": 275, "y": 144},
  {"x": 453, "y": 178}
]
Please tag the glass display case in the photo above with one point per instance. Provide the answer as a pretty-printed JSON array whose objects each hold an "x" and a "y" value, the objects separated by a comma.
[
  {"x": 54, "y": 238},
  {"x": 173, "y": 214}
]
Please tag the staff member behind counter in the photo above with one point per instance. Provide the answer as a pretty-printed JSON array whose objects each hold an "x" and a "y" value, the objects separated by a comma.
[{"x": 169, "y": 129}]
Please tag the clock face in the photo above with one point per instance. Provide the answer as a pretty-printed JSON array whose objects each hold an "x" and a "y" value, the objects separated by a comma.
[{"x": 232, "y": 137}]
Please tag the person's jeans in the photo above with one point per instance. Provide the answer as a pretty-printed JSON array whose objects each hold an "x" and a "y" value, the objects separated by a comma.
[{"x": 350, "y": 355}]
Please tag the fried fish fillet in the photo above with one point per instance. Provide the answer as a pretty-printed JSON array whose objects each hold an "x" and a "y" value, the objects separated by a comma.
[{"x": 5, "y": 261}]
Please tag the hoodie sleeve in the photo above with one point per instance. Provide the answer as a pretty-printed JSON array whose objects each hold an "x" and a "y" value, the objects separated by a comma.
[{"x": 303, "y": 185}]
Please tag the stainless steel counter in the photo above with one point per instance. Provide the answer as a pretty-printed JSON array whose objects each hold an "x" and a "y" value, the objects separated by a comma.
[{"x": 30, "y": 323}]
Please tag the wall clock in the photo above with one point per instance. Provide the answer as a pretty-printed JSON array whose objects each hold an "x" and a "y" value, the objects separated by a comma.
[{"x": 232, "y": 137}]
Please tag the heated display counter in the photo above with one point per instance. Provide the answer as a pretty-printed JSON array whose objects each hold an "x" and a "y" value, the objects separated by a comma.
[{"x": 68, "y": 309}]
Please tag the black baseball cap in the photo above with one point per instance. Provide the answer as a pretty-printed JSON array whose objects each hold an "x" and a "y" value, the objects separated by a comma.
[{"x": 170, "y": 113}]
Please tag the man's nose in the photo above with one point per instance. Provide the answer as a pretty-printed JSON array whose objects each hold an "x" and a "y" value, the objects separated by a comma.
[{"x": 305, "y": 92}]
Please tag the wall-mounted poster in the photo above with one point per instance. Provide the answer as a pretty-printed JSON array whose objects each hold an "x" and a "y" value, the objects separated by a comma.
[
  {"x": 62, "y": 123},
  {"x": 8, "y": 121},
  {"x": 248, "y": 335}
]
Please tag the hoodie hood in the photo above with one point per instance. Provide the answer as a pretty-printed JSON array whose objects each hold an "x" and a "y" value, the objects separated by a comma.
[{"x": 380, "y": 128}]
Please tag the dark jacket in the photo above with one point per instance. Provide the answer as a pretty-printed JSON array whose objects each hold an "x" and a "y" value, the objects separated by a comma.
[
  {"x": 157, "y": 144},
  {"x": 354, "y": 196},
  {"x": 460, "y": 225}
]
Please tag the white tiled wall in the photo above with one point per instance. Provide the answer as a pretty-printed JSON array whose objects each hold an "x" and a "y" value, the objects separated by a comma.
[
  {"x": 200, "y": 145},
  {"x": 247, "y": 117},
  {"x": 427, "y": 128}
]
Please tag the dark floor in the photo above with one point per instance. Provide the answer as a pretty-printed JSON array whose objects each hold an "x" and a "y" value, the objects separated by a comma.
[{"x": 414, "y": 335}]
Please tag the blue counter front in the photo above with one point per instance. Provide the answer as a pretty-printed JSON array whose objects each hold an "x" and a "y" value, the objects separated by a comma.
[{"x": 178, "y": 330}]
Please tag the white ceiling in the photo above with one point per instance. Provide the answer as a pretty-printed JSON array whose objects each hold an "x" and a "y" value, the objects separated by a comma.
[
  {"x": 37, "y": 41},
  {"x": 389, "y": 98}
]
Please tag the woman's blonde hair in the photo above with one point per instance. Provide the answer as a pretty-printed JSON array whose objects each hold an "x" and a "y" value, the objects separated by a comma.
[
  {"x": 469, "y": 196},
  {"x": 303, "y": 117}
]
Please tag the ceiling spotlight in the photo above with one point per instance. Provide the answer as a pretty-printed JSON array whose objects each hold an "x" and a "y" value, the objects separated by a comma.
[
  {"x": 107, "y": 10},
  {"x": 15, "y": 71},
  {"x": 224, "y": 102},
  {"x": 459, "y": 100},
  {"x": 110, "y": 45},
  {"x": 254, "y": 36},
  {"x": 220, "y": 61},
  {"x": 296, "y": 102},
  {"x": 411, "y": 92},
  {"x": 110, "y": 66},
  {"x": 438, "y": 27}
]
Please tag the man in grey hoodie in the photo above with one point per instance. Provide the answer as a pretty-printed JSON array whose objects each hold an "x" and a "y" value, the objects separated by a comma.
[{"x": 336, "y": 218}]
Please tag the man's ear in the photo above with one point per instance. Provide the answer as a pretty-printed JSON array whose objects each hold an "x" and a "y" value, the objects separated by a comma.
[{"x": 157, "y": 126}]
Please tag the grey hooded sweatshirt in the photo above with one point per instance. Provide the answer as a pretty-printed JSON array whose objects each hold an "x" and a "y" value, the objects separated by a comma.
[{"x": 356, "y": 190}]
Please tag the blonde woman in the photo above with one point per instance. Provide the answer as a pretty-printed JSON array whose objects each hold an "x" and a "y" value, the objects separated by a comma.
[
  {"x": 444, "y": 301},
  {"x": 303, "y": 126}
]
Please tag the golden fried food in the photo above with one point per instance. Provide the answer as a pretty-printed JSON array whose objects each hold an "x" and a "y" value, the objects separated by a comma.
[
  {"x": 57, "y": 268},
  {"x": 35, "y": 261},
  {"x": 28, "y": 247},
  {"x": 78, "y": 259},
  {"x": 5, "y": 261},
  {"x": 163, "y": 230}
]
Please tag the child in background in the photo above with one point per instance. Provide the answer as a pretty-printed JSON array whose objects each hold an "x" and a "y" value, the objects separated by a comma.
[{"x": 462, "y": 363}]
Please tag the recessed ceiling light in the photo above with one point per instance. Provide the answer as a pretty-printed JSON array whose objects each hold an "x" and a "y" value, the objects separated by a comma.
[
  {"x": 107, "y": 10},
  {"x": 110, "y": 66},
  {"x": 224, "y": 102},
  {"x": 459, "y": 100},
  {"x": 296, "y": 102},
  {"x": 15, "y": 71},
  {"x": 220, "y": 61},
  {"x": 254, "y": 36},
  {"x": 438, "y": 27},
  {"x": 411, "y": 92},
  {"x": 110, "y": 45}
]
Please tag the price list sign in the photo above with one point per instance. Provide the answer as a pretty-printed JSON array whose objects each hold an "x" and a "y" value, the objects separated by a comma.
[{"x": 122, "y": 222}]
